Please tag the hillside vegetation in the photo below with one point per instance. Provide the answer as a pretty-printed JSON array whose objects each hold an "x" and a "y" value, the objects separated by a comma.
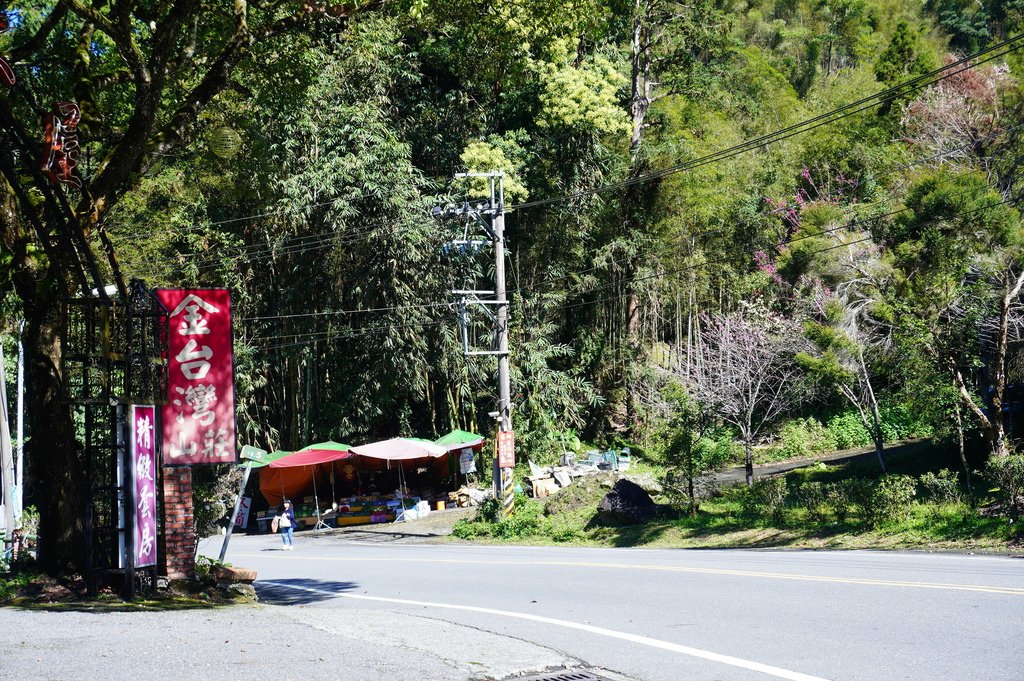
[{"x": 720, "y": 249}]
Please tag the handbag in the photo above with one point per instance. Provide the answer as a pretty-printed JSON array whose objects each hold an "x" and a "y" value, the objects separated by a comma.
[
  {"x": 285, "y": 521},
  {"x": 274, "y": 524}
]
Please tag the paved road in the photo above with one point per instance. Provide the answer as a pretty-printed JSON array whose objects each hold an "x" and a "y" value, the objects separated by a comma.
[{"x": 660, "y": 615}]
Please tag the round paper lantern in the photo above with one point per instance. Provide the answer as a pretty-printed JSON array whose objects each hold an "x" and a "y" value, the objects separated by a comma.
[{"x": 224, "y": 142}]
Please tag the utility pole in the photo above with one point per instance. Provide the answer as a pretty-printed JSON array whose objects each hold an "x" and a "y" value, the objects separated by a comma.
[
  {"x": 504, "y": 460},
  {"x": 19, "y": 451}
]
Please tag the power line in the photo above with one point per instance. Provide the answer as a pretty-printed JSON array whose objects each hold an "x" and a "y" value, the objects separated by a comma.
[
  {"x": 892, "y": 171},
  {"x": 657, "y": 275},
  {"x": 871, "y": 101},
  {"x": 535, "y": 288},
  {"x": 807, "y": 125}
]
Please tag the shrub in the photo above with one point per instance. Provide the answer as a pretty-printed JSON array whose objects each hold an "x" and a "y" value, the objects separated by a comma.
[
  {"x": 524, "y": 521},
  {"x": 802, "y": 438},
  {"x": 766, "y": 498},
  {"x": 814, "y": 497},
  {"x": 942, "y": 487},
  {"x": 1007, "y": 473},
  {"x": 891, "y": 497},
  {"x": 899, "y": 423},
  {"x": 855, "y": 492},
  {"x": 838, "y": 499},
  {"x": 471, "y": 529},
  {"x": 847, "y": 431}
]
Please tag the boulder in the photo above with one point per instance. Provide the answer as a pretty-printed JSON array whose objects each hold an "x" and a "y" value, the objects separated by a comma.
[
  {"x": 647, "y": 482},
  {"x": 628, "y": 504}
]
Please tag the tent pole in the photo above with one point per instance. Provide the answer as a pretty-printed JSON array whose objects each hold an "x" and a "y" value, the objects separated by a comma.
[{"x": 316, "y": 500}]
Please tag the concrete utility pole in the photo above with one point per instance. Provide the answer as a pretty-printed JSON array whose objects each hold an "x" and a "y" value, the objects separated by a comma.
[
  {"x": 19, "y": 447},
  {"x": 495, "y": 209},
  {"x": 6, "y": 460}
]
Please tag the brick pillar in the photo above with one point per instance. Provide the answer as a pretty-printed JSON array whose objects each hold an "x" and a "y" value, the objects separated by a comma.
[{"x": 179, "y": 523}]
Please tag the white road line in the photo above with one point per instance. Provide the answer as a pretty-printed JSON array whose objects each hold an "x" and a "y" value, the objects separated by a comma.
[{"x": 777, "y": 672}]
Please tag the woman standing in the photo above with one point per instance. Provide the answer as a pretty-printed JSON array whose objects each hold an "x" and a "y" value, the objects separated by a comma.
[{"x": 286, "y": 524}]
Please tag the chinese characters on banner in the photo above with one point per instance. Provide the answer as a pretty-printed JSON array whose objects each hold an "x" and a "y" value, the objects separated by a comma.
[
  {"x": 199, "y": 417},
  {"x": 60, "y": 144},
  {"x": 506, "y": 449},
  {"x": 143, "y": 449},
  {"x": 242, "y": 519}
]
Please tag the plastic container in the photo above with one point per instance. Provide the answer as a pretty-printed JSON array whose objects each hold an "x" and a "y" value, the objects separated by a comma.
[{"x": 439, "y": 506}]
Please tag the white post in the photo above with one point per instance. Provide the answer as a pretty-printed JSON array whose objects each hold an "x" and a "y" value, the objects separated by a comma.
[
  {"x": 19, "y": 447},
  {"x": 6, "y": 458}
]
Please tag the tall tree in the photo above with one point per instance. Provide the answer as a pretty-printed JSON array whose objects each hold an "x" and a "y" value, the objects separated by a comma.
[
  {"x": 141, "y": 74},
  {"x": 958, "y": 273}
]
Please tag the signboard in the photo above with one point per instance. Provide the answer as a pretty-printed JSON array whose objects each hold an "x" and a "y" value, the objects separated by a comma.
[
  {"x": 242, "y": 517},
  {"x": 143, "y": 450},
  {"x": 467, "y": 463},
  {"x": 253, "y": 454},
  {"x": 199, "y": 417},
  {"x": 506, "y": 449},
  {"x": 60, "y": 144}
]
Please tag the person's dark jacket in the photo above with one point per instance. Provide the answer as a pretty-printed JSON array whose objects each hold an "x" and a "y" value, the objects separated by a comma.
[{"x": 290, "y": 513}]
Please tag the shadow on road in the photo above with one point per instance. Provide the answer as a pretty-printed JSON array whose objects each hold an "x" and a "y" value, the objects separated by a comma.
[
  {"x": 378, "y": 537},
  {"x": 284, "y": 591}
]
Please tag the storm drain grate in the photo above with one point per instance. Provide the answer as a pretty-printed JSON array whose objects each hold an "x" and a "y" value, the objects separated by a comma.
[{"x": 567, "y": 675}]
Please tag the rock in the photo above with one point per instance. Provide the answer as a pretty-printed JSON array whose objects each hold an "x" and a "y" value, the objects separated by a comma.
[
  {"x": 242, "y": 593},
  {"x": 647, "y": 482},
  {"x": 628, "y": 504}
]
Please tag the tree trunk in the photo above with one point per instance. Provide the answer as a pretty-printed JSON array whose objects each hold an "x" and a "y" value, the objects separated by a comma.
[
  {"x": 53, "y": 454},
  {"x": 997, "y": 435},
  {"x": 749, "y": 452},
  {"x": 963, "y": 456}
]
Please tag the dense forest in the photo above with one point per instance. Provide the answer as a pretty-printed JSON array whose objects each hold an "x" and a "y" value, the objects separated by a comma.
[{"x": 714, "y": 225}]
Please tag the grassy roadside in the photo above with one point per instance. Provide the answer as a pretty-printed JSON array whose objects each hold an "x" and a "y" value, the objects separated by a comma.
[{"x": 819, "y": 506}]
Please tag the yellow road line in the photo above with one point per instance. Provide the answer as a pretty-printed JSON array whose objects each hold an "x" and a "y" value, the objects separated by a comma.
[{"x": 672, "y": 568}]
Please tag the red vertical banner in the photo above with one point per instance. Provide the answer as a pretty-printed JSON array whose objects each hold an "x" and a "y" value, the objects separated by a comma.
[
  {"x": 506, "y": 449},
  {"x": 143, "y": 449},
  {"x": 199, "y": 417}
]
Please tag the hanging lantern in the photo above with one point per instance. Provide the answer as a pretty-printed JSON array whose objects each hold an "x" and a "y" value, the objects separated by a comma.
[{"x": 224, "y": 142}]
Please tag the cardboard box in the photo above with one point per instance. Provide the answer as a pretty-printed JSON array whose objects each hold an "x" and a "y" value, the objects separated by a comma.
[{"x": 544, "y": 487}]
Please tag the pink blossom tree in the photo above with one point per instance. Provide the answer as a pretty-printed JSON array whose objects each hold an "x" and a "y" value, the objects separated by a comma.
[{"x": 743, "y": 369}]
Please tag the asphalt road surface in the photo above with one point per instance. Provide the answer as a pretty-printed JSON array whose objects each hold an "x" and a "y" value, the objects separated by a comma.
[{"x": 657, "y": 615}]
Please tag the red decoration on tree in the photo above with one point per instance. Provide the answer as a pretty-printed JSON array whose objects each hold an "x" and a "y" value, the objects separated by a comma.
[
  {"x": 6, "y": 72},
  {"x": 60, "y": 144}
]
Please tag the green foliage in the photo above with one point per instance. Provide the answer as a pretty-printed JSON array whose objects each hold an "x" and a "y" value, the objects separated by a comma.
[
  {"x": 502, "y": 154},
  {"x": 583, "y": 97},
  {"x": 205, "y": 567},
  {"x": 526, "y": 520},
  {"x": 803, "y": 437},
  {"x": 900, "y": 422},
  {"x": 1007, "y": 474},
  {"x": 851, "y": 492},
  {"x": 890, "y": 500},
  {"x": 902, "y": 58},
  {"x": 766, "y": 500},
  {"x": 12, "y": 582},
  {"x": 814, "y": 497},
  {"x": 213, "y": 496},
  {"x": 848, "y": 431},
  {"x": 942, "y": 487}
]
